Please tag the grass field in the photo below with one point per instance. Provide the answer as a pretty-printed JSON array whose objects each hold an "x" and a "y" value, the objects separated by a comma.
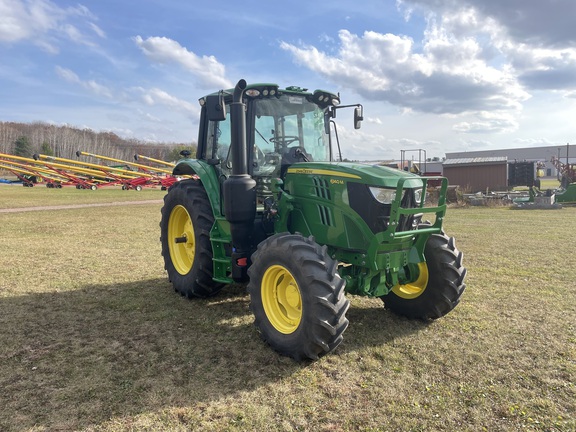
[
  {"x": 16, "y": 196},
  {"x": 93, "y": 337}
]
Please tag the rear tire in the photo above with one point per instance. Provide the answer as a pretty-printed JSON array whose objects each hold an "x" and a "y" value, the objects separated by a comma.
[
  {"x": 439, "y": 285},
  {"x": 297, "y": 296},
  {"x": 185, "y": 226}
]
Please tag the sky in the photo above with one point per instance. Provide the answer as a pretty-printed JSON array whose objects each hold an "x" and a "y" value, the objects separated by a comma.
[{"x": 438, "y": 75}]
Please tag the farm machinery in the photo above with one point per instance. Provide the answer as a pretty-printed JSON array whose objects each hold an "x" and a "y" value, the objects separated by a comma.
[
  {"x": 566, "y": 194},
  {"x": 29, "y": 176},
  {"x": 30, "y": 171},
  {"x": 164, "y": 181},
  {"x": 146, "y": 176},
  {"x": 271, "y": 204},
  {"x": 56, "y": 172},
  {"x": 87, "y": 175}
]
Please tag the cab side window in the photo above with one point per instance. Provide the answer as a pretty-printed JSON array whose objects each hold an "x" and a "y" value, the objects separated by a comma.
[
  {"x": 266, "y": 159},
  {"x": 218, "y": 143}
]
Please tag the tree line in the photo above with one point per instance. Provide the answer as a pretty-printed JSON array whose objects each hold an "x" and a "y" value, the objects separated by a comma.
[{"x": 25, "y": 139}]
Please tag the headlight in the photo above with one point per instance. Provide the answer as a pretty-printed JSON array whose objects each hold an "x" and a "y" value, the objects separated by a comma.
[{"x": 383, "y": 195}]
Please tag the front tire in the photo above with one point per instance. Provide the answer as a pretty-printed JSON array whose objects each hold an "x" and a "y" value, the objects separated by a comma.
[
  {"x": 297, "y": 297},
  {"x": 437, "y": 286},
  {"x": 187, "y": 219}
]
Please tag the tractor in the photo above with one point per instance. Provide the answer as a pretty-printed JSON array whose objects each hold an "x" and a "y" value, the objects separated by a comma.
[{"x": 268, "y": 202}]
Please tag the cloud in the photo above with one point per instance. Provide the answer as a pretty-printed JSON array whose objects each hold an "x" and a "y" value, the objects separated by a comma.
[
  {"x": 208, "y": 71},
  {"x": 97, "y": 30},
  {"x": 448, "y": 76},
  {"x": 91, "y": 85},
  {"x": 19, "y": 21},
  {"x": 488, "y": 123},
  {"x": 150, "y": 97},
  {"x": 67, "y": 75},
  {"x": 536, "y": 38},
  {"x": 44, "y": 23},
  {"x": 544, "y": 69},
  {"x": 536, "y": 23},
  {"x": 476, "y": 57},
  {"x": 155, "y": 96},
  {"x": 364, "y": 146},
  {"x": 75, "y": 35}
]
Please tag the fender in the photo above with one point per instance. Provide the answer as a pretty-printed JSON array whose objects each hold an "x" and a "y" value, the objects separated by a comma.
[{"x": 208, "y": 177}]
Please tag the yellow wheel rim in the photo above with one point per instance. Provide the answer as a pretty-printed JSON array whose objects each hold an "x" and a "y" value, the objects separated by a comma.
[
  {"x": 181, "y": 240},
  {"x": 281, "y": 299},
  {"x": 414, "y": 289}
]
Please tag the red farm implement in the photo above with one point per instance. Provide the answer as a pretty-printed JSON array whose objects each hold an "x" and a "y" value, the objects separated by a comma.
[
  {"x": 30, "y": 175},
  {"x": 155, "y": 176},
  {"x": 102, "y": 175}
]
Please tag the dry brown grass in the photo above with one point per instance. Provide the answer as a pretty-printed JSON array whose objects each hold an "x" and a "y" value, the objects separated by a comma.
[
  {"x": 94, "y": 338},
  {"x": 12, "y": 196}
]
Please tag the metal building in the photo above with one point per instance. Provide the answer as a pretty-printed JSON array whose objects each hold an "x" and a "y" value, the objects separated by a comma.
[
  {"x": 542, "y": 154},
  {"x": 477, "y": 174}
]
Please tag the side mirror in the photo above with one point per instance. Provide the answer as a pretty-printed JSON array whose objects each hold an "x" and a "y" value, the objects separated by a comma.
[
  {"x": 215, "y": 107},
  {"x": 358, "y": 116}
]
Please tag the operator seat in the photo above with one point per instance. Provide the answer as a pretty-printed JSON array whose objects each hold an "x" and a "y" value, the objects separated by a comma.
[{"x": 292, "y": 156}]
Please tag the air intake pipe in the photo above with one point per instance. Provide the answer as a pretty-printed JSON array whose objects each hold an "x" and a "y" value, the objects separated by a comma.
[{"x": 239, "y": 190}]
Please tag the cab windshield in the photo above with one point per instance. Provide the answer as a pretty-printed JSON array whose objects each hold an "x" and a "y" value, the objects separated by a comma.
[{"x": 289, "y": 123}]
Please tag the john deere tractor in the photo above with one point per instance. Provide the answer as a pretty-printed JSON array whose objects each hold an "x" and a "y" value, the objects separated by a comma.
[{"x": 269, "y": 202}]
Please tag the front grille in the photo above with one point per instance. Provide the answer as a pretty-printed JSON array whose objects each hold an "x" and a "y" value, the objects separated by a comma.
[{"x": 374, "y": 213}]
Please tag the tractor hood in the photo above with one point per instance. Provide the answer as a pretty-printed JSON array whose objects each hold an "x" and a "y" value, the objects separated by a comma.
[{"x": 376, "y": 175}]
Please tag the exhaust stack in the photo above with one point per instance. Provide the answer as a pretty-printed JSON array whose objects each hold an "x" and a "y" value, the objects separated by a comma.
[{"x": 239, "y": 190}]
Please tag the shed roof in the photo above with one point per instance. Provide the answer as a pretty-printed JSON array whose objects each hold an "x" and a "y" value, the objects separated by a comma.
[{"x": 495, "y": 160}]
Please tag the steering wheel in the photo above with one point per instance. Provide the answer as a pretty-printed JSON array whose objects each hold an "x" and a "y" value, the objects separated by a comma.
[{"x": 285, "y": 139}]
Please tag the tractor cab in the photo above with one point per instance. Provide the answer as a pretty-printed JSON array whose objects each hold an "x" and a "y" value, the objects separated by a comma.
[{"x": 283, "y": 127}]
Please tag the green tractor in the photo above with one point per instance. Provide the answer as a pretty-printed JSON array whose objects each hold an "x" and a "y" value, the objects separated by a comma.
[{"x": 267, "y": 202}]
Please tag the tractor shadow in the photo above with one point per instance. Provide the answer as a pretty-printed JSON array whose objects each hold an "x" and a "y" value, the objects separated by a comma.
[
  {"x": 371, "y": 325},
  {"x": 79, "y": 358}
]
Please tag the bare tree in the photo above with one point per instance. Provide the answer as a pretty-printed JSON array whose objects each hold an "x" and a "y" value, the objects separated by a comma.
[{"x": 65, "y": 140}]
